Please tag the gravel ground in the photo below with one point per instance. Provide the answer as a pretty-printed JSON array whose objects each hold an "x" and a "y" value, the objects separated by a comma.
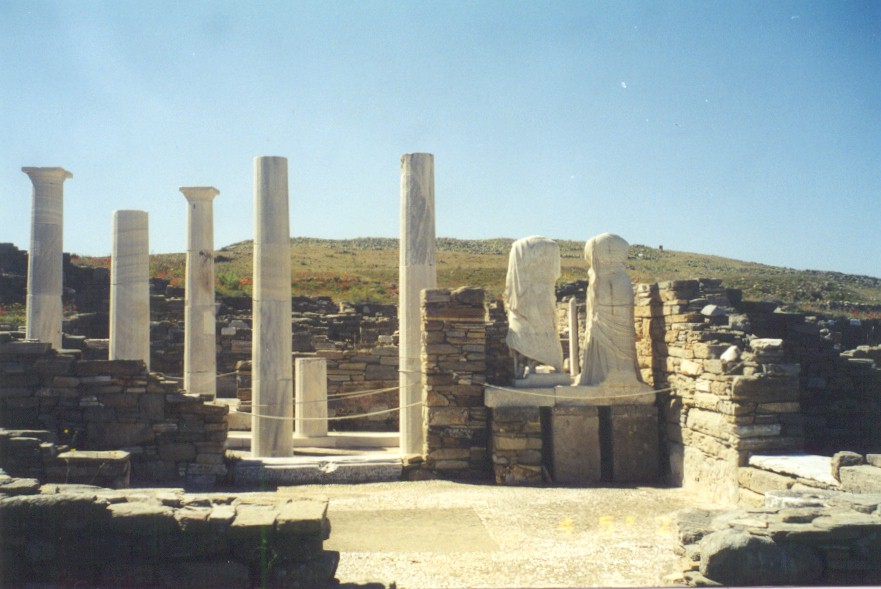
[{"x": 444, "y": 534}]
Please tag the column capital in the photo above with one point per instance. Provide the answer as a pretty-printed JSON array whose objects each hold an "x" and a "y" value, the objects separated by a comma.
[
  {"x": 50, "y": 173},
  {"x": 199, "y": 193}
]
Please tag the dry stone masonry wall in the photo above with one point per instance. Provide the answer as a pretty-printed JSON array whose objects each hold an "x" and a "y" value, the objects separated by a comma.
[
  {"x": 454, "y": 373},
  {"x": 112, "y": 405},
  {"x": 76, "y": 535}
]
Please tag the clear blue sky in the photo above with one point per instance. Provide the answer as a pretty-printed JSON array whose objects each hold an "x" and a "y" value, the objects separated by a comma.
[{"x": 744, "y": 129}]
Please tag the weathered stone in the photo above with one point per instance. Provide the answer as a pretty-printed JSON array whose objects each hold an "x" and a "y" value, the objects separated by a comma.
[
  {"x": 734, "y": 557},
  {"x": 142, "y": 519},
  {"x": 861, "y": 479},
  {"x": 842, "y": 459}
]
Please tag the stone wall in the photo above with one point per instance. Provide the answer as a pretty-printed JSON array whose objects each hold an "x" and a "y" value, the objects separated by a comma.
[
  {"x": 795, "y": 538},
  {"x": 454, "y": 364},
  {"x": 359, "y": 381},
  {"x": 747, "y": 378},
  {"x": 112, "y": 405},
  {"x": 71, "y": 535},
  {"x": 730, "y": 395}
]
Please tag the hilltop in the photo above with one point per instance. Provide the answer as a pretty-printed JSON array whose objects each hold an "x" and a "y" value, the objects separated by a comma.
[{"x": 366, "y": 269}]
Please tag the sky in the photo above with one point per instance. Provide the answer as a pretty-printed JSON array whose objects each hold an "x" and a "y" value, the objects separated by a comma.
[{"x": 747, "y": 129}]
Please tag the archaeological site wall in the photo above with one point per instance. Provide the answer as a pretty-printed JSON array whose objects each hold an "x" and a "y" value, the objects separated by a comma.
[{"x": 72, "y": 405}]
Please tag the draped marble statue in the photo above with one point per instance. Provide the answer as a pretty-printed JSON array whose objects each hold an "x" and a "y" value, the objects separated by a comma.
[
  {"x": 533, "y": 270},
  {"x": 609, "y": 349}
]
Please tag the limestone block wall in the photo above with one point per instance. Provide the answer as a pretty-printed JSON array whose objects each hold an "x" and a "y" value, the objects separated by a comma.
[
  {"x": 717, "y": 412},
  {"x": 454, "y": 364},
  {"x": 113, "y": 405},
  {"x": 517, "y": 445},
  {"x": 65, "y": 535},
  {"x": 350, "y": 372}
]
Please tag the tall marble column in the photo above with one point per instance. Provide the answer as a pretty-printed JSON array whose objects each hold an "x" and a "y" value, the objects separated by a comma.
[
  {"x": 272, "y": 426},
  {"x": 130, "y": 288},
  {"x": 310, "y": 384},
  {"x": 574, "y": 369},
  {"x": 417, "y": 272},
  {"x": 200, "y": 344},
  {"x": 45, "y": 259}
]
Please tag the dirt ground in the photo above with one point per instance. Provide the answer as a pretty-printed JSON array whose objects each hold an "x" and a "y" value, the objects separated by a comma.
[{"x": 444, "y": 534}]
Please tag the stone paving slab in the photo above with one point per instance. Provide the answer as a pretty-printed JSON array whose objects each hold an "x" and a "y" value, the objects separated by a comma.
[
  {"x": 446, "y": 534},
  {"x": 806, "y": 466}
]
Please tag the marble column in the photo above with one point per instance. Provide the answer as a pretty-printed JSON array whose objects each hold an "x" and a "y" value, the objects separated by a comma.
[
  {"x": 573, "y": 338},
  {"x": 200, "y": 344},
  {"x": 130, "y": 288},
  {"x": 417, "y": 272},
  {"x": 45, "y": 257},
  {"x": 272, "y": 426},
  {"x": 310, "y": 384}
]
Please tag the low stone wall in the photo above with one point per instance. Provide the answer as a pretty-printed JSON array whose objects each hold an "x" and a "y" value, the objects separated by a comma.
[
  {"x": 72, "y": 535},
  {"x": 796, "y": 538},
  {"x": 453, "y": 378},
  {"x": 113, "y": 405}
]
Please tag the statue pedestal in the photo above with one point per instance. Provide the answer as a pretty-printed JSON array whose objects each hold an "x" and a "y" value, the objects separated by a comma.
[
  {"x": 591, "y": 434},
  {"x": 553, "y": 379},
  {"x": 605, "y": 395},
  {"x": 575, "y": 445}
]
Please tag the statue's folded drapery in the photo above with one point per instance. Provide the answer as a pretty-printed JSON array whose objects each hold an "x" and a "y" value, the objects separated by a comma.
[
  {"x": 609, "y": 352},
  {"x": 533, "y": 270}
]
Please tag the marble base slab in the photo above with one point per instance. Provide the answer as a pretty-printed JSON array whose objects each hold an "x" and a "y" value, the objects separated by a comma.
[
  {"x": 543, "y": 380},
  {"x": 521, "y": 397},
  {"x": 605, "y": 395}
]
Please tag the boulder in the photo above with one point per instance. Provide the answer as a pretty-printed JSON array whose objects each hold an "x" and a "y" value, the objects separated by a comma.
[{"x": 735, "y": 557}]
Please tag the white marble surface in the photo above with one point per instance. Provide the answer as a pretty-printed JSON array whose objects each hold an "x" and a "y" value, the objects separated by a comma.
[
  {"x": 200, "y": 347},
  {"x": 574, "y": 337},
  {"x": 609, "y": 350},
  {"x": 272, "y": 384},
  {"x": 45, "y": 260},
  {"x": 417, "y": 272},
  {"x": 533, "y": 270},
  {"x": 130, "y": 287},
  {"x": 525, "y": 397},
  {"x": 606, "y": 395},
  {"x": 806, "y": 466},
  {"x": 310, "y": 384}
]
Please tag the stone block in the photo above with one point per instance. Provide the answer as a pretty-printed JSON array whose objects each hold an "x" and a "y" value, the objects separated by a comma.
[
  {"x": 635, "y": 444},
  {"x": 761, "y": 389},
  {"x": 733, "y": 557},
  {"x": 861, "y": 479},
  {"x": 110, "y": 367},
  {"x": 575, "y": 444},
  {"x": 842, "y": 459},
  {"x": 303, "y": 517},
  {"x": 761, "y": 481}
]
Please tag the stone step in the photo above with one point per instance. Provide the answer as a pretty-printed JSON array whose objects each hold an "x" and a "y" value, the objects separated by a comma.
[{"x": 366, "y": 467}]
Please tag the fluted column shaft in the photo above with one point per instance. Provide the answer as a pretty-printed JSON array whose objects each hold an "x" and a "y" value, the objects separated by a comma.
[
  {"x": 200, "y": 342},
  {"x": 46, "y": 257},
  {"x": 272, "y": 428},
  {"x": 418, "y": 271},
  {"x": 130, "y": 288}
]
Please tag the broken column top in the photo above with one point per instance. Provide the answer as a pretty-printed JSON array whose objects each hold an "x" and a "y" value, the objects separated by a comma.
[
  {"x": 36, "y": 172},
  {"x": 199, "y": 193}
]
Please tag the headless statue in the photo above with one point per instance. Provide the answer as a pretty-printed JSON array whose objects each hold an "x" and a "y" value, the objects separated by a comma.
[
  {"x": 533, "y": 270},
  {"x": 609, "y": 352}
]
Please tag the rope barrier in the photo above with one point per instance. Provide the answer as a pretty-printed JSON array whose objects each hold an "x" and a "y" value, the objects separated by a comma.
[{"x": 337, "y": 418}]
